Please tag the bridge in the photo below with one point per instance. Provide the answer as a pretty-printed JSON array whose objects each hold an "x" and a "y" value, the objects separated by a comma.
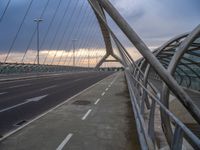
[{"x": 69, "y": 82}]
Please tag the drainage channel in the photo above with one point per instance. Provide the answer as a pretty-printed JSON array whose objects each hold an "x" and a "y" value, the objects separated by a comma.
[
  {"x": 81, "y": 102},
  {"x": 20, "y": 123}
]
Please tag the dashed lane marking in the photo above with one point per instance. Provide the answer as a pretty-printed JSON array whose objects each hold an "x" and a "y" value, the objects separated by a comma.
[
  {"x": 3, "y": 93},
  {"x": 87, "y": 113},
  {"x": 22, "y": 85},
  {"x": 97, "y": 101},
  {"x": 64, "y": 142},
  {"x": 50, "y": 87},
  {"x": 102, "y": 94}
]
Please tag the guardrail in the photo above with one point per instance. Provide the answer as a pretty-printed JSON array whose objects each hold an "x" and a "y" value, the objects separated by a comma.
[
  {"x": 140, "y": 96},
  {"x": 12, "y": 68}
]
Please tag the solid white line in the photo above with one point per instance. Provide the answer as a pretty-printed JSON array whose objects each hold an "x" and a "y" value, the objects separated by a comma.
[
  {"x": 102, "y": 94},
  {"x": 87, "y": 113},
  {"x": 50, "y": 87},
  {"x": 8, "y": 108},
  {"x": 10, "y": 80},
  {"x": 3, "y": 93},
  {"x": 97, "y": 101},
  {"x": 64, "y": 142},
  {"x": 50, "y": 110},
  {"x": 30, "y": 77},
  {"x": 106, "y": 89},
  {"x": 34, "y": 99}
]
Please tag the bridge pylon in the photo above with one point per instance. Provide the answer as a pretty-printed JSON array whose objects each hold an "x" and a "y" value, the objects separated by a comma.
[{"x": 106, "y": 35}]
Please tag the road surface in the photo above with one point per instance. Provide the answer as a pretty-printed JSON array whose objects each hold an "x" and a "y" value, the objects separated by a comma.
[{"x": 23, "y": 100}]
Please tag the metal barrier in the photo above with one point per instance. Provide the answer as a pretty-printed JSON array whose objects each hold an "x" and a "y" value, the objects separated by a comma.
[{"x": 14, "y": 68}]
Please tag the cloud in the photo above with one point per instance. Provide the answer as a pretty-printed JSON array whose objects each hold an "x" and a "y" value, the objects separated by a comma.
[
  {"x": 159, "y": 20},
  {"x": 155, "y": 22}
]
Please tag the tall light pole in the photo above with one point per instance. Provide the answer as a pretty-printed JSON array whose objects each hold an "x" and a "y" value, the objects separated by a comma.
[
  {"x": 96, "y": 58},
  {"x": 74, "y": 48},
  {"x": 38, "y": 39},
  {"x": 88, "y": 58}
]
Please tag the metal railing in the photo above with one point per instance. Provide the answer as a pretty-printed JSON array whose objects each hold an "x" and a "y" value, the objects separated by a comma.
[
  {"x": 144, "y": 95},
  {"x": 15, "y": 68}
]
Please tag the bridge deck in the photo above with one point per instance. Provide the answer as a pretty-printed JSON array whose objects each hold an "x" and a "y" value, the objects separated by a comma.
[{"x": 90, "y": 120}]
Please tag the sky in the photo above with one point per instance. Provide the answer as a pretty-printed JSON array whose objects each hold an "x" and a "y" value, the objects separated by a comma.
[{"x": 155, "y": 21}]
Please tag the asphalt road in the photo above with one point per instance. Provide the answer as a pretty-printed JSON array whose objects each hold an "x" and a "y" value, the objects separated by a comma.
[{"x": 23, "y": 100}]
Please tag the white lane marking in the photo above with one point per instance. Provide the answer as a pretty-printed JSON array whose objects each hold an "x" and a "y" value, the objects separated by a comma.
[
  {"x": 50, "y": 87},
  {"x": 18, "y": 86},
  {"x": 79, "y": 79},
  {"x": 114, "y": 79},
  {"x": 3, "y": 93},
  {"x": 106, "y": 89},
  {"x": 65, "y": 141},
  {"x": 50, "y": 110},
  {"x": 87, "y": 113},
  {"x": 109, "y": 86},
  {"x": 14, "y": 106},
  {"x": 102, "y": 94},
  {"x": 33, "y": 77},
  {"x": 97, "y": 101},
  {"x": 35, "y": 99}
]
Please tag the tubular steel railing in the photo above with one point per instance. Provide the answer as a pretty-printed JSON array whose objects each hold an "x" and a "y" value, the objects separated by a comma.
[{"x": 145, "y": 97}]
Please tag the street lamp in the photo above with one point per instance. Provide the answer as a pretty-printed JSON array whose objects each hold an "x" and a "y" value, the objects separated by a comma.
[
  {"x": 96, "y": 58},
  {"x": 74, "y": 48},
  {"x": 38, "y": 40},
  {"x": 88, "y": 58}
]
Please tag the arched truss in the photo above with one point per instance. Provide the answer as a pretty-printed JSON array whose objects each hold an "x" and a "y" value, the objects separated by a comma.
[
  {"x": 181, "y": 57},
  {"x": 184, "y": 62},
  {"x": 106, "y": 35},
  {"x": 168, "y": 63}
]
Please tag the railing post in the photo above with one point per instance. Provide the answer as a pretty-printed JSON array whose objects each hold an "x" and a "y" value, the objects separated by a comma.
[{"x": 177, "y": 139}]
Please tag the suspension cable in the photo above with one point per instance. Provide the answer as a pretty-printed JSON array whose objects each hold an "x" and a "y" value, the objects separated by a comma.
[
  {"x": 33, "y": 34},
  {"x": 80, "y": 21},
  {"x": 4, "y": 12},
  {"x": 18, "y": 31}
]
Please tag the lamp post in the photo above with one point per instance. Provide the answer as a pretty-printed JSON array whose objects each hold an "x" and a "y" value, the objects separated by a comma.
[
  {"x": 74, "y": 48},
  {"x": 88, "y": 58},
  {"x": 38, "y": 39},
  {"x": 96, "y": 58}
]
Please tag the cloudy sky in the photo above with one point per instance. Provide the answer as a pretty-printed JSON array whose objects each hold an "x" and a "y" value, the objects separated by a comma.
[
  {"x": 156, "y": 21},
  {"x": 159, "y": 20}
]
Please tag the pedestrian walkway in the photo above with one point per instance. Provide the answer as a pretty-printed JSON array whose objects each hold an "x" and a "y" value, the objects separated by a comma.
[{"x": 99, "y": 118}]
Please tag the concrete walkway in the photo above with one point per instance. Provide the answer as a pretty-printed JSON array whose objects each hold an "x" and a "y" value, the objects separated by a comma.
[{"x": 100, "y": 118}]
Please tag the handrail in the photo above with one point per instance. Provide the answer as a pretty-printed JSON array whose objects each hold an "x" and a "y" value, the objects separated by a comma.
[{"x": 180, "y": 127}]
